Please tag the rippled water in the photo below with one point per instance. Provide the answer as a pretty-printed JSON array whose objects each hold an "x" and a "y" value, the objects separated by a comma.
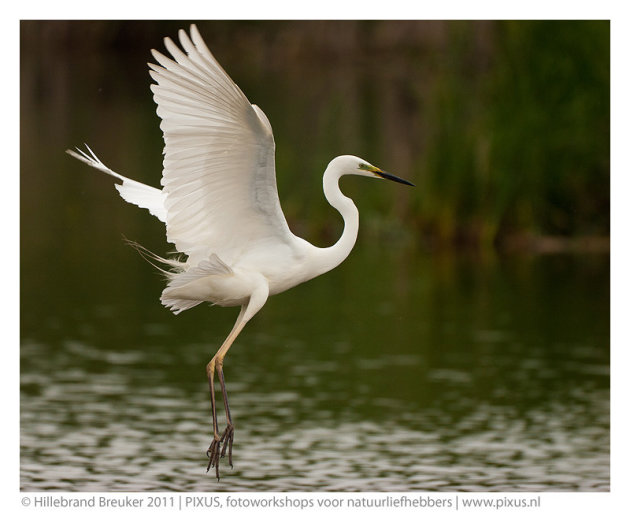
[{"x": 421, "y": 383}]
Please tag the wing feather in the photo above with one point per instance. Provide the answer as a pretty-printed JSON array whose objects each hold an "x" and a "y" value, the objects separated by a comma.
[{"x": 219, "y": 170}]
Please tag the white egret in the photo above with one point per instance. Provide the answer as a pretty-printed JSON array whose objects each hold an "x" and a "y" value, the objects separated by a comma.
[{"x": 220, "y": 203}]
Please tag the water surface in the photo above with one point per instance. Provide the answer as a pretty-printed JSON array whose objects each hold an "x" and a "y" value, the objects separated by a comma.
[{"x": 390, "y": 374}]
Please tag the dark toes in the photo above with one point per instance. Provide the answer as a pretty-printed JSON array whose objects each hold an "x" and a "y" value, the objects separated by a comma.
[{"x": 213, "y": 456}]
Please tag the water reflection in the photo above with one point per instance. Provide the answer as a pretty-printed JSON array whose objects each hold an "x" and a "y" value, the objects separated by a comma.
[{"x": 383, "y": 398}]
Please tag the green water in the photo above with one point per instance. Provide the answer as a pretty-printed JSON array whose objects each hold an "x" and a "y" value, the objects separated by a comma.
[
  {"x": 394, "y": 372},
  {"x": 406, "y": 368}
]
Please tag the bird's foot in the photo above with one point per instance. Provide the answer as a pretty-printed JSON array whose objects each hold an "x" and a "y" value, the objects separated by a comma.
[
  {"x": 213, "y": 456},
  {"x": 228, "y": 440},
  {"x": 215, "y": 452}
]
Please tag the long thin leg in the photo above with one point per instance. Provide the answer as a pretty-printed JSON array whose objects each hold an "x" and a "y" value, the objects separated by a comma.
[
  {"x": 248, "y": 310},
  {"x": 228, "y": 435},
  {"x": 214, "y": 451}
]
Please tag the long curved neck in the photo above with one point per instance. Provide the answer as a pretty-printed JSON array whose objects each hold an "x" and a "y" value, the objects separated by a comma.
[{"x": 332, "y": 256}]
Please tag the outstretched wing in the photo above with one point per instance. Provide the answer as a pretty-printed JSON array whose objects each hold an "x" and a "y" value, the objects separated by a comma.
[{"x": 219, "y": 172}]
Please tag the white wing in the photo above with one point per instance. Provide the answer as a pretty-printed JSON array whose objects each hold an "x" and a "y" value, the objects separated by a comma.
[
  {"x": 219, "y": 172},
  {"x": 130, "y": 190}
]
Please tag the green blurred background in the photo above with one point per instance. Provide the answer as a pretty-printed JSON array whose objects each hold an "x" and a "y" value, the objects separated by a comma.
[{"x": 502, "y": 125}]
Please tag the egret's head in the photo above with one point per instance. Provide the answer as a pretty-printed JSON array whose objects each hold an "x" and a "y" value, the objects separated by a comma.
[{"x": 348, "y": 164}]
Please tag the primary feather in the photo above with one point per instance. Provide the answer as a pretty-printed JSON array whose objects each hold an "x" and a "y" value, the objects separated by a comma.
[{"x": 219, "y": 172}]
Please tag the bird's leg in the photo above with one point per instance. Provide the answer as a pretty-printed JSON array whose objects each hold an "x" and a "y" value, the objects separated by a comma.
[
  {"x": 228, "y": 435},
  {"x": 213, "y": 450},
  {"x": 249, "y": 308}
]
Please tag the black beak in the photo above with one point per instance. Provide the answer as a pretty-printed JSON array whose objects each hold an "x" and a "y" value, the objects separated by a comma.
[{"x": 391, "y": 177}]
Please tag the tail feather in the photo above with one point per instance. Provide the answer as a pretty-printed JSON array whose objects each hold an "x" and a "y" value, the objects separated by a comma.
[
  {"x": 179, "y": 305},
  {"x": 176, "y": 266},
  {"x": 177, "y": 273},
  {"x": 132, "y": 191},
  {"x": 178, "y": 295}
]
